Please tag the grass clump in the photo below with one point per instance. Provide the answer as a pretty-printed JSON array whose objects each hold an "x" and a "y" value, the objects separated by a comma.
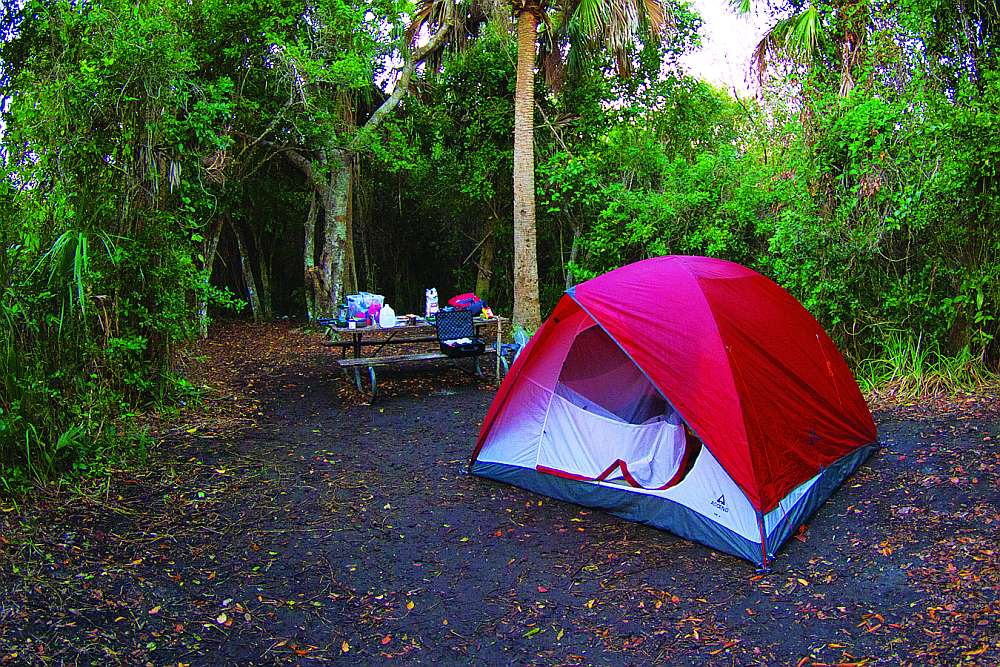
[{"x": 910, "y": 369}]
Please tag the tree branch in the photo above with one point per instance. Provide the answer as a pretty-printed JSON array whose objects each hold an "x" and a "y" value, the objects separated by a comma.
[
  {"x": 299, "y": 160},
  {"x": 322, "y": 188},
  {"x": 414, "y": 58}
]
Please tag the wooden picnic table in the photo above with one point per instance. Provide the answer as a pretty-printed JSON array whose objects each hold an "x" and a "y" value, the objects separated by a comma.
[
  {"x": 408, "y": 333},
  {"x": 402, "y": 334}
]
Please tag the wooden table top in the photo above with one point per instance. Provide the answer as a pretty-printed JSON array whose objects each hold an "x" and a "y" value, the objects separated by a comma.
[{"x": 422, "y": 325}]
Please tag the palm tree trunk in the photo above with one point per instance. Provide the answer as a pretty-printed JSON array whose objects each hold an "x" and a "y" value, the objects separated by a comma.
[{"x": 527, "y": 312}]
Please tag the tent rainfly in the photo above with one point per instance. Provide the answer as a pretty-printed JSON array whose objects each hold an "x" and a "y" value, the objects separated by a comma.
[{"x": 687, "y": 393}]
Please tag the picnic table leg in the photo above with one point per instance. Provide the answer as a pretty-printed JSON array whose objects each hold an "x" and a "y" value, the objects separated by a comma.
[
  {"x": 357, "y": 347},
  {"x": 357, "y": 378},
  {"x": 385, "y": 342},
  {"x": 371, "y": 375}
]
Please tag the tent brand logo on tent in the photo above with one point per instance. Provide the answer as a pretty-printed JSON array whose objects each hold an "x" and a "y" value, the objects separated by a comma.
[{"x": 720, "y": 503}]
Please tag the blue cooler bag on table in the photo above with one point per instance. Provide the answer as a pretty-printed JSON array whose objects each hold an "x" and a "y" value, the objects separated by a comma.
[{"x": 467, "y": 301}]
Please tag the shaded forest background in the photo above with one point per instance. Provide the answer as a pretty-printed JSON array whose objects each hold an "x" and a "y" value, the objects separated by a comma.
[{"x": 172, "y": 162}]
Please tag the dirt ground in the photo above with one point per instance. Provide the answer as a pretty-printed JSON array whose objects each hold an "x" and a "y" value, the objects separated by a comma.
[{"x": 283, "y": 521}]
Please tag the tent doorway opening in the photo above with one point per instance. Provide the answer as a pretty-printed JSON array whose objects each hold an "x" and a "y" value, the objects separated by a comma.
[{"x": 607, "y": 422}]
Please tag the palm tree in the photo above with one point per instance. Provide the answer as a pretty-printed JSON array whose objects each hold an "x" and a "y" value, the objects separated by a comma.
[
  {"x": 573, "y": 27},
  {"x": 799, "y": 38},
  {"x": 955, "y": 42}
]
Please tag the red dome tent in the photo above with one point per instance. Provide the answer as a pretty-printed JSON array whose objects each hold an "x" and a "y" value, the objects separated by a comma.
[{"x": 610, "y": 403}]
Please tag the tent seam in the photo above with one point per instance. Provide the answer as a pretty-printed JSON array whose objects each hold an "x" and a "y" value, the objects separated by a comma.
[
  {"x": 552, "y": 393},
  {"x": 732, "y": 376}
]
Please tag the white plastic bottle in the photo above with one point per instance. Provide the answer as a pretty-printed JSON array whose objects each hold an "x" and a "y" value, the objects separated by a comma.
[
  {"x": 431, "y": 302},
  {"x": 387, "y": 317}
]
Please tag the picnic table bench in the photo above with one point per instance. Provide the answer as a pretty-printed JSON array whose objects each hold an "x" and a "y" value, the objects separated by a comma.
[
  {"x": 371, "y": 363},
  {"x": 346, "y": 345},
  {"x": 404, "y": 335}
]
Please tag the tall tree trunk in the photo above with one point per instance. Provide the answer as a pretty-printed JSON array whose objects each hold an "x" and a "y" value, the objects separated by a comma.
[
  {"x": 264, "y": 263},
  {"x": 324, "y": 274},
  {"x": 527, "y": 311},
  {"x": 334, "y": 233},
  {"x": 266, "y": 304},
  {"x": 309, "y": 276},
  {"x": 332, "y": 196},
  {"x": 573, "y": 250},
  {"x": 247, "y": 272},
  {"x": 350, "y": 260},
  {"x": 209, "y": 248},
  {"x": 485, "y": 263}
]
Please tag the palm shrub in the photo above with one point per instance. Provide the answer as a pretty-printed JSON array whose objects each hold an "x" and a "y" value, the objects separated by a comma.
[
  {"x": 54, "y": 410},
  {"x": 103, "y": 201}
]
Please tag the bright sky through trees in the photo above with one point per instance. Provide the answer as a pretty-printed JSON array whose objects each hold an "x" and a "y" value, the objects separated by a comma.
[{"x": 728, "y": 40}]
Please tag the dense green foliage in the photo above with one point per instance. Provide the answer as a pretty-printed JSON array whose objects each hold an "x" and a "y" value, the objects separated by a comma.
[
  {"x": 105, "y": 128},
  {"x": 864, "y": 179},
  {"x": 877, "y": 208},
  {"x": 124, "y": 148}
]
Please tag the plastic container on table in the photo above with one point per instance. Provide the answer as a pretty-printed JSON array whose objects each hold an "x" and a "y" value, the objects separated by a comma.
[
  {"x": 386, "y": 317},
  {"x": 360, "y": 303}
]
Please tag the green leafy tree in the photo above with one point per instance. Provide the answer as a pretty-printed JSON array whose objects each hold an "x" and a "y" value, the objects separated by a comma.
[{"x": 107, "y": 127}]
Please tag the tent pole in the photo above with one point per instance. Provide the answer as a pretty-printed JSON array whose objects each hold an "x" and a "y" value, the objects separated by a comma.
[
  {"x": 763, "y": 569},
  {"x": 499, "y": 327}
]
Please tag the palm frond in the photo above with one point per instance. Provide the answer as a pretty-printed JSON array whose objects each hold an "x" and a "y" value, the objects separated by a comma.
[
  {"x": 463, "y": 19},
  {"x": 741, "y": 7},
  {"x": 656, "y": 14},
  {"x": 591, "y": 17},
  {"x": 795, "y": 38},
  {"x": 613, "y": 26},
  {"x": 622, "y": 26},
  {"x": 425, "y": 13},
  {"x": 554, "y": 69},
  {"x": 804, "y": 36}
]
